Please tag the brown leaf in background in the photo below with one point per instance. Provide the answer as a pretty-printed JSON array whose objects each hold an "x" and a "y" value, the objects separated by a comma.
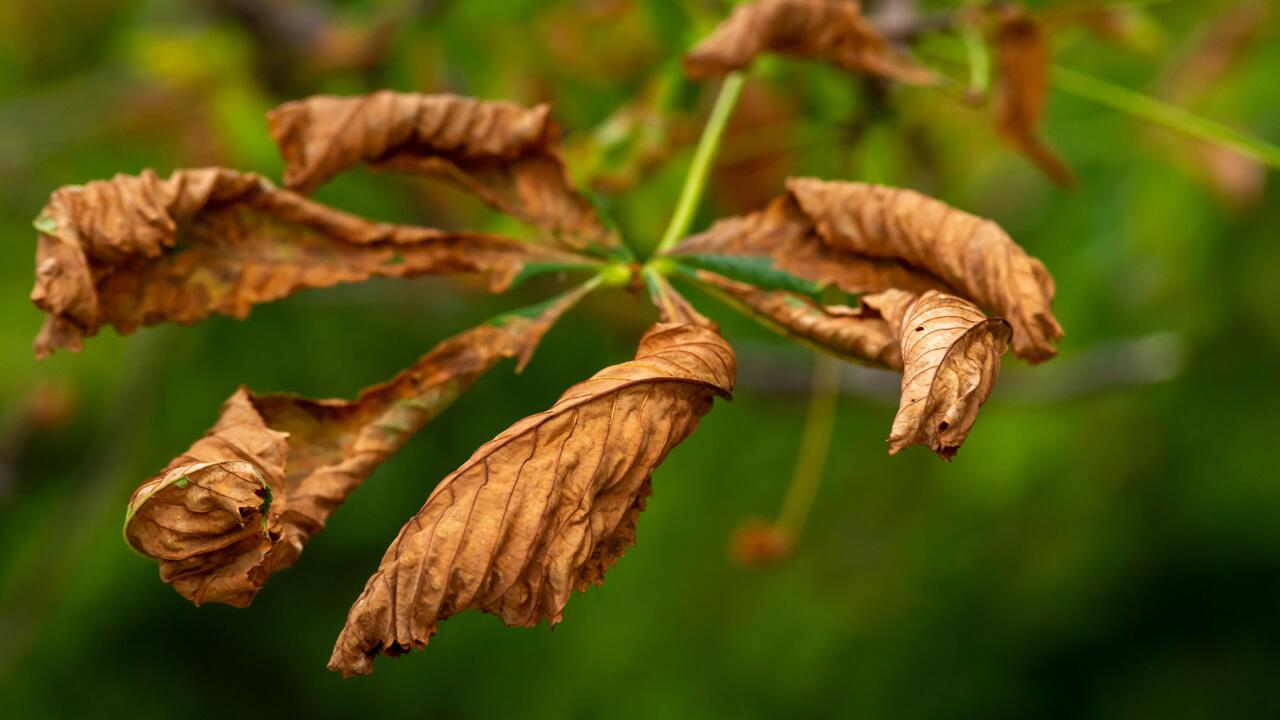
[
  {"x": 244, "y": 500},
  {"x": 831, "y": 30},
  {"x": 634, "y": 141},
  {"x": 140, "y": 250},
  {"x": 852, "y": 333},
  {"x": 505, "y": 154},
  {"x": 543, "y": 509},
  {"x": 971, "y": 254},
  {"x": 951, "y": 354},
  {"x": 300, "y": 44},
  {"x": 783, "y": 233},
  {"x": 1234, "y": 35},
  {"x": 1022, "y": 86}
]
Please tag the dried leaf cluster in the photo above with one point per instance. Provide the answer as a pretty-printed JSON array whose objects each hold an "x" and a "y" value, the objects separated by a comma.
[{"x": 874, "y": 274}]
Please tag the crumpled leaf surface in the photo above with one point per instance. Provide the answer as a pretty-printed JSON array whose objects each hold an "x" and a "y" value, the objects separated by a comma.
[
  {"x": 1022, "y": 59},
  {"x": 783, "y": 233},
  {"x": 139, "y": 250},
  {"x": 206, "y": 517},
  {"x": 851, "y": 333},
  {"x": 973, "y": 255},
  {"x": 831, "y": 30},
  {"x": 544, "y": 508},
  {"x": 951, "y": 356},
  {"x": 505, "y": 154}
]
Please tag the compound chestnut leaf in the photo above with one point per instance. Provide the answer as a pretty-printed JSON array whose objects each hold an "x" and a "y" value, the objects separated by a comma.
[
  {"x": 544, "y": 508},
  {"x": 505, "y": 154},
  {"x": 243, "y": 501},
  {"x": 830, "y": 30},
  {"x": 140, "y": 250}
]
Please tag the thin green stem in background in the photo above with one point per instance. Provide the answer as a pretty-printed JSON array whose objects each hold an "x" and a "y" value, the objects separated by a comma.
[
  {"x": 815, "y": 443},
  {"x": 1163, "y": 114},
  {"x": 696, "y": 180},
  {"x": 979, "y": 61}
]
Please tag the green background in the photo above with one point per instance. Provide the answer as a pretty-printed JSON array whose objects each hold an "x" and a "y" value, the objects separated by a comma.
[{"x": 1106, "y": 544}]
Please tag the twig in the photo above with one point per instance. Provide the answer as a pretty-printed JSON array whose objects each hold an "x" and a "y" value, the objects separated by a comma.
[
  {"x": 1105, "y": 367},
  {"x": 815, "y": 443},
  {"x": 1163, "y": 114},
  {"x": 696, "y": 181}
]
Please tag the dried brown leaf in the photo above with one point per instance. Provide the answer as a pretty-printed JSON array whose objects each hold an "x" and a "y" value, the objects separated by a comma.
[
  {"x": 672, "y": 306},
  {"x": 783, "y": 233},
  {"x": 831, "y": 30},
  {"x": 951, "y": 353},
  {"x": 1232, "y": 37},
  {"x": 971, "y": 254},
  {"x": 544, "y": 508},
  {"x": 505, "y": 154},
  {"x": 243, "y": 501},
  {"x": 851, "y": 333},
  {"x": 140, "y": 250},
  {"x": 1022, "y": 72}
]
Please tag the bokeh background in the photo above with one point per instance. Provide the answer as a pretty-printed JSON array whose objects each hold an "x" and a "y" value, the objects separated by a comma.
[{"x": 1107, "y": 544}]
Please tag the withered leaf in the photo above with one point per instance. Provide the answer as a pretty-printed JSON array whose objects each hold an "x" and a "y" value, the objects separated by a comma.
[
  {"x": 242, "y": 502},
  {"x": 783, "y": 233},
  {"x": 851, "y": 333},
  {"x": 1022, "y": 74},
  {"x": 505, "y": 154},
  {"x": 672, "y": 306},
  {"x": 951, "y": 356},
  {"x": 544, "y": 508},
  {"x": 140, "y": 250},
  {"x": 971, "y": 254},
  {"x": 831, "y": 30}
]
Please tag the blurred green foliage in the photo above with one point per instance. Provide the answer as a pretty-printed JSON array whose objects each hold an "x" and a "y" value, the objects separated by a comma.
[{"x": 1107, "y": 544}]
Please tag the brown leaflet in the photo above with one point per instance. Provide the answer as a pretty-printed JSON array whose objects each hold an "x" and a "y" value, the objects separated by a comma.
[
  {"x": 505, "y": 154},
  {"x": 783, "y": 233},
  {"x": 293, "y": 461},
  {"x": 1234, "y": 35},
  {"x": 672, "y": 306},
  {"x": 971, "y": 254},
  {"x": 544, "y": 508},
  {"x": 1022, "y": 74},
  {"x": 951, "y": 355},
  {"x": 140, "y": 250},
  {"x": 851, "y": 333},
  {"x": 831, "y": 30}
]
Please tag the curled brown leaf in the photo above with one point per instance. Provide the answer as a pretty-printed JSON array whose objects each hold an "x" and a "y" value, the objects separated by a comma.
[
  {"x": 951, "y": 356},
  {"x": 1022, "y": 73},
  {"x": 140, "y": 250},
  {"x": 851, "y": 333},
  {"x": 243, "y": 501},
  {"x": 784, "y": 234},
  {"x": 973, "y": 255},
  {"x": 506, "y": 154},
  {"x": 831, "y": 30},
  {"x": 544, "y": 508}
]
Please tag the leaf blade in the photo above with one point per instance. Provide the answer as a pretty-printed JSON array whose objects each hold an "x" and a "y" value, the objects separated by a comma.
[{"x": 544, "y": 508}]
